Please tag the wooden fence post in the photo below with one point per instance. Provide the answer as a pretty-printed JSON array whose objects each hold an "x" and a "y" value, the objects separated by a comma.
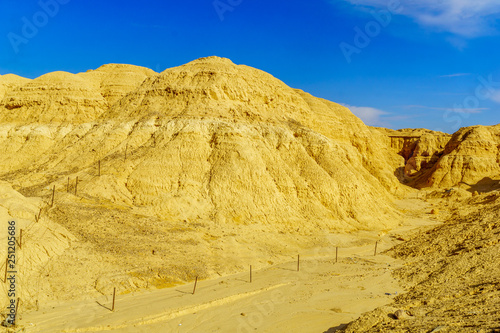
[
  {"x": 21, "y": 239},
  {"x": 15, "y": 313},
  {"x": 76, "y": 185},
  {"x": 53, "y": 195},
  {"x": 195, "y": 283},
  {"x": 114, "y": 294}
]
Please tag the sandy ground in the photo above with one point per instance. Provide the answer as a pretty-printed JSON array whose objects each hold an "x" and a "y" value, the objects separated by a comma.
[{"x": 323, "y": 296}]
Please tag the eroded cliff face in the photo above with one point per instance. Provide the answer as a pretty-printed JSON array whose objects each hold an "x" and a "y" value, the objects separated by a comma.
[
  {"x": 419, "y": 148},
  {"x": 427, "y": 151},
  {"x": 469, "y": 158}
]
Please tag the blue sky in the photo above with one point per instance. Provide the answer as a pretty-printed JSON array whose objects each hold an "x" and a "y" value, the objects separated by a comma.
[{"x": 432, "y": 64}]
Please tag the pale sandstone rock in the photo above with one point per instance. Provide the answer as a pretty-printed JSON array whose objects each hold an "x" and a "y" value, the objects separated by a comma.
[
  {"x": 471, "y": 156},
  {"x": 117, "y": 80},
  {"x": 9, "y": 82}
]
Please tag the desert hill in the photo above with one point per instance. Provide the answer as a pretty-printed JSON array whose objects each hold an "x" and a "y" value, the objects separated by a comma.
[
  {"x": 117, "y": 80},
  {"x": 55, "y": 97},
  {"x": 62, "y": 97},
  {"x": 207, "y": 140},
  {"x": 200, "y": 157}
]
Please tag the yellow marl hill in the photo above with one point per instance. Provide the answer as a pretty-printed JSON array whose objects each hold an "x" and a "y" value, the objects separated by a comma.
[{"x": 209, "y": 140}]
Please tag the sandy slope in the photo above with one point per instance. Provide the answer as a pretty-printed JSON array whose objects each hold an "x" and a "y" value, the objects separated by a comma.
[
  {"x": 322, "y": 296},
  {"x": 452, "y": 271},
  {"x": 37, "y": 241},
  {"x": 324, "y": 293}
]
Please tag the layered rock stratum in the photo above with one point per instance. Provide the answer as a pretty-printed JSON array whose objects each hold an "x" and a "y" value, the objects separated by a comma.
[
  {"x": 468, "y": 159},
  {"x": 471, "y": 157}
]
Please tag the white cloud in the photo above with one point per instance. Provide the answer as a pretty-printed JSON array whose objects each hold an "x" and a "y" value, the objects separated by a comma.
[
  {"x": 455, "y": 75},
  {"x": 370, "y": 116},
  {"x": 465, "y": 18}
]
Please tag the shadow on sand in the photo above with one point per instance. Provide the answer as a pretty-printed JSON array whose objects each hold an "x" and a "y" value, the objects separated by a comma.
[
  {"x": 336, "y": 328},
  {"x": 104, "y": 306}
]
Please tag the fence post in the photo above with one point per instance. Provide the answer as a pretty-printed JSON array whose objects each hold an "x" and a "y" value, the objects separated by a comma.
[
  {"x": 53, "y": 194},
  {"x": 195, "y": 283},
  {"x": 114, "y": 294}
]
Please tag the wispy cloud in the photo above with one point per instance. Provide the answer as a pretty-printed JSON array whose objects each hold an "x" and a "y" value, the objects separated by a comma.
[
  {"x": 370, "y": 116},
  {"x": 457, "y": 109},
  {"x": 460, "y": 17},
  {"x": 455, "y": 75}
]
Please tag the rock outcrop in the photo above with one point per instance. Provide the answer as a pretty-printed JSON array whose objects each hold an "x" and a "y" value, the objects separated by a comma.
[
  {"x": 117, "y": 80},
  {"x": 57, "y": 97},
  {"x": 9, "y": 82},
  {"x": 471, "y": 156},
  {"x": 427, "y": 151}
]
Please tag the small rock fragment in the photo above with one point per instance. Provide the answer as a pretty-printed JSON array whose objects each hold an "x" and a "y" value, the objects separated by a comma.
[{"x": 401, "y": 314}]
